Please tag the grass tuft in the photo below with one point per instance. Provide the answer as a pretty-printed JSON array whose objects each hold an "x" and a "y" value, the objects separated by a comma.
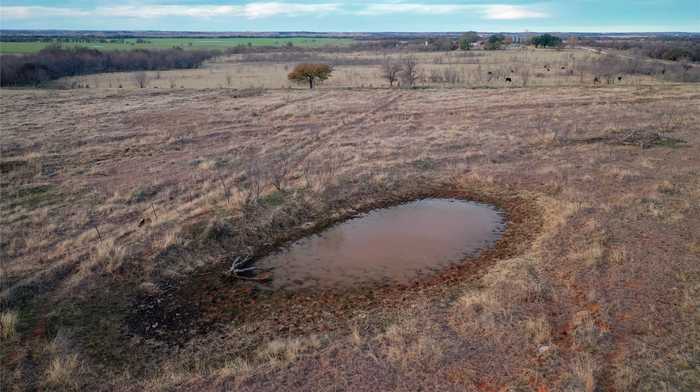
[{"x": 8, "y": 324}]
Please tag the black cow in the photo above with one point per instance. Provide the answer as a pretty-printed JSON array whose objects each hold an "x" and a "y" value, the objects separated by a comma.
[{"x": 508, "y": 80}]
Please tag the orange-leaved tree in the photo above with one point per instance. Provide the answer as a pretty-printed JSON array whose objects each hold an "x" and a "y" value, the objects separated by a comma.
[{"x": 310, "y": 73}]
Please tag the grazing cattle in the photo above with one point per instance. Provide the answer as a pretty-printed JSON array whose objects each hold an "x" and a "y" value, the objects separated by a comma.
[
  {"x": 596, "y": 80},
  {"x": 508, "y": 80},
  {"x": 619, "y": 78},
  {"x": 511, "y": 71},
  {"x": 663, "y": 71},
  {"x": 563, "y": 68}
]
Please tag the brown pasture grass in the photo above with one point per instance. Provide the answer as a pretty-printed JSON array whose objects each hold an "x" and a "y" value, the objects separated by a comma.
[
  {"x": 487, "y": 69},
  {"x": 113, "y": 200}
]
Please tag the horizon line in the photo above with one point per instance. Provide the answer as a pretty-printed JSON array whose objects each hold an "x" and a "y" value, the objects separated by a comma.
[{"x": 358, "y": 32}]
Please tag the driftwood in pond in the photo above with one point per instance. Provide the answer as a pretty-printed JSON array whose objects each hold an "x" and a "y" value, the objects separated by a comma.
[{"x": 240, "y": 267}]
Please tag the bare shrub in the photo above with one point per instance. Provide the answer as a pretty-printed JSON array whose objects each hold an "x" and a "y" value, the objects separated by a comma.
[
  {"x": 321, "y": 173},
  {"x": 525, "y": 75},
  {"x": 546, "y": 132},
  {"x": 280, "y": 165},
  {"x": 391, "y": 69},
  {"x": 252, "y": 184},
  {"x": 409, "y": 72},
  {"x": 451, "y": 75},
  {"x": 140, "y": 79},
  {"x": 435, "y": 76}
]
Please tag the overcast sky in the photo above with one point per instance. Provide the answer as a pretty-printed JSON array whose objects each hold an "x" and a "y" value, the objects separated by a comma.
[{"x": 357, "y": 15}]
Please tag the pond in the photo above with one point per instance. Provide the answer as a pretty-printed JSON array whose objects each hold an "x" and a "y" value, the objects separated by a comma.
[{"x": 394, "y": 245}]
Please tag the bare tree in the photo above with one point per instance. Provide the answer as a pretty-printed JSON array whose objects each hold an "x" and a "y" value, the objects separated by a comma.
[
  {"x": 141, "y": 79},
  {"x": 391, "y": 69},
  {"x": 409, "y": 73}
]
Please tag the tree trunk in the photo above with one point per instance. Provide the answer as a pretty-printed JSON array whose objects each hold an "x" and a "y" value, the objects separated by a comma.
[{"x": 311, "y": 83}]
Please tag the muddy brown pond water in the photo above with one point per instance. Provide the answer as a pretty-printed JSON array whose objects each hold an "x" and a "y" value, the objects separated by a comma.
[{"x": 394, "y": 245}]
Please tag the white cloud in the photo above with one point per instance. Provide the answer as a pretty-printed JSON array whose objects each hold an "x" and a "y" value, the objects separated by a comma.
[
  {"x": 255, "y": 10},
  {"x": 511, "y": 12},
  {"x": 261, "y": 10},
  {"x": 487, "y": 11},
  {"x": 414, "y": 8},
  {"x": 250, "y": 10},
  {"x": 20, "y": 12},
  {"x": 156, "y": 11}
]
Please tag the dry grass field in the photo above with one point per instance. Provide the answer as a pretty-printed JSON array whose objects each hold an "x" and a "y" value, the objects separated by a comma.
[
  {"x": 122, "y": 208},
  {"x": 526, "y": 67}
]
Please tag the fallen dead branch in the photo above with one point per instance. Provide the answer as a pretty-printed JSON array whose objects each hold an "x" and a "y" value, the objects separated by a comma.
[{"x": 240, "y": 267}]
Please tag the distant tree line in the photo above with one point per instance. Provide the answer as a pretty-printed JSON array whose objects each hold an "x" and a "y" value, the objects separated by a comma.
[
  {"x": 71, "y": 40},
  {"x": 55, "y": 62},
  {"x": 668, "y": 49}
]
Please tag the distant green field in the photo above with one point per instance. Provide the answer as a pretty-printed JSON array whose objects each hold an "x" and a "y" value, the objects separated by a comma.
[{"x": 165, "y": 43}]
